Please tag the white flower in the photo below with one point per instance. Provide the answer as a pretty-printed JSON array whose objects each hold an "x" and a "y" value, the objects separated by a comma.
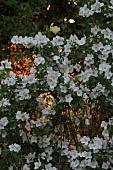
[
  {"x": 105, "y": 133},
  {"x": 40, "y": 40},
  {"x": 27, "y": 41},
  {"x": 82, "y": 164},
  {"x": 4, "y": 133},
  {"x": 31, "y": 79},
  {"x": 66, "y": 77},
  {"x": 65, "y": 144},
  {"x": 111, "y": 1},
  {"x": 48, "y": 111},
  {"x": 82, "y": 41},
  {"x": 77, "y": 67},
  {"x": 73, "y": 86},
  {"x": 49, "y": 158},
  {"x": 14, "y": 147},
  {"x": 74, "y": 164},
  {"x": 18, "y": 115},
  {"x": 52, "y": 83},
  {"x": 63, "y": 88},
  {"x": 54, "y": 29},
  {"x": 87, "y": 162},
  {"x": 105, "y": 165},
  {"x": 23, "y": 94},
  {"x": 104, "y": 124},
  {"x": 94, "y": 146},
  {"x": 33, "y": 139},
  {"x": 104, "y": 67},
  {"x": 49, "y": 167},
  {"x": 9, "y": 81},
  {"x": 30, "y": 157},
  {"x": 73, "y": 154},
  {"x": 97, "y": 47},
  {"x": 2, "y": 68},
  {"x": 112, "y": 82},
  {"x": 14, "y": 40},
  {"x": 4, "y": 102},
  {"x": 39, "y": 60},
  {"x": 68, "y": 98},
  {"x": 20, "y": 40},
  {"x": 52, "y": 78},
  {"x": 97, "y": 6},
  {"x": 85, "y": 140},
  {"x": 72, "y": 39},
  {"x": 58, "y": 41},
  {"x": 67, "y": 48},
  {"x": 43, "y": 155},
  {"x": 37, "y": 164},
  {"x": 111, "y": 121},
  {"x": 87, "y": 155},
  {"x": 77, "y": 121},
  {"x": 56, "y": 58},
  {"x": 79, "y": 92},
  {"x": 22, "y": 116},
  {"x": 32, "y": 70},
  {"x": 87, "y": 122},
  {"x": 26, "y": 167},
  {"x": 94, "y": 164},
  {"x": 4, "y": 121},
  {"x": 95, "y": 30},
  {"x": 6, "y": 63},
  {"x": 85, "y": 12},
  {"x": 108, "y": 74},
  {"x": 97, "y": 144},
  {"x": 1, "y": 125},
  {"x": 10, "y": 168}
]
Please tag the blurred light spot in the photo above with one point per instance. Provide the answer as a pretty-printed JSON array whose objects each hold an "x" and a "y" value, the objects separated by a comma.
[
  {"x": 74, "y": 2},
  {"x": 65, "y": 19},
  {"x": 48, "y": 8},
  {"x": 71, "y": 21}
]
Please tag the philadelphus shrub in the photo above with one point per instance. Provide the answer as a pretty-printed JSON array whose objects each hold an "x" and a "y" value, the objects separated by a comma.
[{"x": 60, "y": 115}]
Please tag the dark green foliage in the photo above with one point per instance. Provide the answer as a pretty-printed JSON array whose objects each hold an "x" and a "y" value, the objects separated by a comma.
[{"x": 27, "y": 18}]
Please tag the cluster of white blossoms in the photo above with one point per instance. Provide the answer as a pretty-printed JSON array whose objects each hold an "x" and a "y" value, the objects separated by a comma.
[
  {"x": 48, "y": 111},
  {"x": 51, "y": 115},
  {"x": 95, "y": 8},
  {"x": 39, "y": 40},
  {"x": 98, "y": 91},
  {"x": 78, "y": 159},
  {"x": 10, "y": 80},
  {"x": 23, "y": 94},
  {"x": 52, "y": 78},
  {"x": 85, "y": 158},
  {"x": 70, "y": 79},
  {"x": 22, "y": 116},
  {"x": 27, "y": 137}
]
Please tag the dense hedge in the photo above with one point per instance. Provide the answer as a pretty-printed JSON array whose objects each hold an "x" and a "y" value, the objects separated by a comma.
[{"x": 59, "y": 115}]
